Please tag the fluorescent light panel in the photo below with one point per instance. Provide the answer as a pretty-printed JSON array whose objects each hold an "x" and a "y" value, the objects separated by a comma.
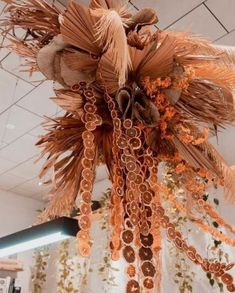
[
  {"x": 34, "y": 243},
  {"x": 38, "y": 236}
]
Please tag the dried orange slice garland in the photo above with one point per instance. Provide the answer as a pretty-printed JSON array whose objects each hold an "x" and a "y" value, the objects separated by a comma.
[{"x": 133, "y": 99}]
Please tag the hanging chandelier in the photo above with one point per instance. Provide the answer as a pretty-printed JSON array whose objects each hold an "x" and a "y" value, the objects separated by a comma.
[{"x": 134, "y": 97}]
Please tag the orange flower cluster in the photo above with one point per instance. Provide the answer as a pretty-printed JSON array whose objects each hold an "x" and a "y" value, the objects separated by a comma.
[
  {"x": 203, "y": 138},
  {"x": 180, "y": 168},
  {"x": 152, "y": 86},
  {"x": 188, "y": 137}
]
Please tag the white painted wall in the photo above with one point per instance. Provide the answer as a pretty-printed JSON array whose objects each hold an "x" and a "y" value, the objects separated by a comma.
[{"x": 17, "y": 213}]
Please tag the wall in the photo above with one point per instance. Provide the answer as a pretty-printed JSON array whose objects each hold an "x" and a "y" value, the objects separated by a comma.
[{"x": 17, "y": 213}]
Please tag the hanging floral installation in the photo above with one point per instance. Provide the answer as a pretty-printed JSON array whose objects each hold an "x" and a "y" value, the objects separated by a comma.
[
  {"x": 183, "y": 272},
  {"x": 134, "y": 98}
]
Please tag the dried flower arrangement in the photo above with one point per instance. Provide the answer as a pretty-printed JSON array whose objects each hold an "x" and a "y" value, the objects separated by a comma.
[{"x": 133, "y": 99}]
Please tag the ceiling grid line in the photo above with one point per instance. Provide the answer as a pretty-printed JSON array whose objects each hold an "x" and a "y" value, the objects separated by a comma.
[
  {"x": 221, "y": 37},
  {"x": 191, "y": 10},
  {"x": 21, "y": 98},
  {"x": 219, "y": 21},
  {"x": 12, "y": 73},
  {"x": 17, "y": 165},
  {"x": 22, "y": 107}
]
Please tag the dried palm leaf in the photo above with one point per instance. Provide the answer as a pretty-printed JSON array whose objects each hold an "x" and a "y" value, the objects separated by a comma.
[
  {"x": 111, "y": 33},
  {"x": 205, "y": 156},
  {"x": 159, "y": 60},
  {"x": 78, "y": 29},
  {"x": 72, "y": 77},
  {"x": 190, "y": 47},
  {"x": 217, "y": 74},
  {"x": 137, "y": 56},
  {"x": 159, "y": 145},
  {"x": 227, "y": 172},
  {"x": 28, "y": 51},
  {"x": 108, "y": 4},
  {"x": 35, "y": 15},
  {"x": 81, "y": 61},
  {"x": 63, "y": 146},
  {"x": 217, "y": 101},
  {"x": 64, "y": 196},
  {"x": 69, "y": 101},
  {"x": 106, "y": 74}
]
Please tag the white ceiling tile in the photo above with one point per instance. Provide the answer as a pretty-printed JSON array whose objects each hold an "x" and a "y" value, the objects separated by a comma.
[
  {"x": 15, "y": 64},
  {"x": 21, "y": 149},
  {"x": 37, "y": 131},
  {"x": 29, "y": 169},
  {"x": 9, "y": 181},
  {"x": 19, "y": 122},
  {"x": 227, "y": 40},
  {"x": 31, "y": 188},
  {"x": 168, "y": 11},
  {"x": 3, "y": 122},
  {"x": 224, "y": 11},
  {"x": 4, "y": 51},
  {"x": 38, "y": 101},
  {"x": 2, "y": 144},
  {"x": 12, "y": 89},
  {"x": 200, "y": 21},
  {"x": 225, "y": 145},
  {"x": 22, "y": 191},
  {"x": 6, "y": 165},
  {"x": 40, "y": 196}
]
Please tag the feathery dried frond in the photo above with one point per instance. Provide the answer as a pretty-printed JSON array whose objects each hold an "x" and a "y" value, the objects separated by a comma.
[
  {"x": 69, "y": 101},
  {"x": 78, "y": 29},
  {"x": 106, "y": 74},
  {"x": 111, "y": 33},
  {"x": 78, "y": 60},
  {"x": 109, "y": 4},
  {"x": 158, "y": 62},
  {"x": 217, "y": 101},
  {"x": 190, "y": 47},
  {"x": 218, "y": 74},
  {"x": 28, "y": 51},
  {"x": 35, "y": 15},
  {"x": 64, "y": 149},
  {"x": 227, "y": 173}
]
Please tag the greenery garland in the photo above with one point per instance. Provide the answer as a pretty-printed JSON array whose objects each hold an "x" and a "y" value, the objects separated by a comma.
[{"x": 39, "y": 276}]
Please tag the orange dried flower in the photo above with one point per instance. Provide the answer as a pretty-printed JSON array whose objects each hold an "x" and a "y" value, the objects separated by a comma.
[
  {"x": 163, "y": 125},
  {"x": 202, "y": 139},
  {"x": 202, "y": 172},
  {"x": 170, "y": 112},
  {"x": 183, "y": 83},
  {"x": 186, "y": 138},
  {"x": 180, "y": 168},
  {"x": 166, "y": 82}
]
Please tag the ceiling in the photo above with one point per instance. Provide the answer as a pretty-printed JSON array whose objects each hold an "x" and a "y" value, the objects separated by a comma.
[{"x": 25, "y": 100}]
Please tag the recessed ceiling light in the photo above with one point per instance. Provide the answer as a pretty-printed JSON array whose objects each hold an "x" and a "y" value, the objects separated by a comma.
[{"x": 10, "y": 126}]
